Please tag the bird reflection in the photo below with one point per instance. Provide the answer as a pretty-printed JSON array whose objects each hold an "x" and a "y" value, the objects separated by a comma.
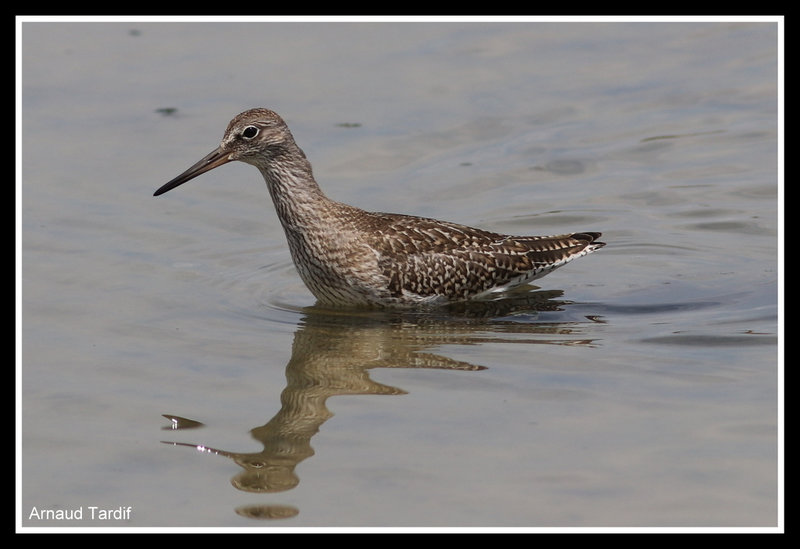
[{"x": 332, "y": 354}]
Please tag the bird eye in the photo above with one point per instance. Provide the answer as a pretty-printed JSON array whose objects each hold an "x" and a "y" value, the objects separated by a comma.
[{"x": 250, "y": 132}]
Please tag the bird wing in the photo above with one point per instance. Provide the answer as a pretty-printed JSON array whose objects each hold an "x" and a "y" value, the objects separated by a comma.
[{"x": 432, "y": 258}]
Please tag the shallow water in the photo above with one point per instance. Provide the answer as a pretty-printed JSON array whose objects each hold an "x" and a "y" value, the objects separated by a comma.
[{"x": 638, "y": 386}]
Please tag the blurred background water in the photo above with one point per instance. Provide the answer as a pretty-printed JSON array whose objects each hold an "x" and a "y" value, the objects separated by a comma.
[{"x": 639, "y": 386}]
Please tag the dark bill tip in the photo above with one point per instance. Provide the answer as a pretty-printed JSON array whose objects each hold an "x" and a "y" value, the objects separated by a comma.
[{"x": 212, "y": 160}]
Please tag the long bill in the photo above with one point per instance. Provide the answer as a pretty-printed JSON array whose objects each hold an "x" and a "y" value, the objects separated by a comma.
[{"x": 215, "y": 158}]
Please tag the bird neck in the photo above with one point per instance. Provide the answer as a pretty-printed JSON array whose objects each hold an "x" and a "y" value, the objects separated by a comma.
[{"x": 297, "y": 197}]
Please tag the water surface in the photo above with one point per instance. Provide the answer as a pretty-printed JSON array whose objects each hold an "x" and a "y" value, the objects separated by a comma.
[{"x": 636, "y": 387}]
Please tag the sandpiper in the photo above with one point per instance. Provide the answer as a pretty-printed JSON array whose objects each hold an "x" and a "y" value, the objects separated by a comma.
[{"x": 351, "y": 257}]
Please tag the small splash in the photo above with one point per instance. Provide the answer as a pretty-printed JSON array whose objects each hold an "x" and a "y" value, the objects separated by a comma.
[{"x": 178, "y": 422}]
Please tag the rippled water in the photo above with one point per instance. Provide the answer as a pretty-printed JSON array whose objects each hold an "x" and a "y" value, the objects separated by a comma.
[{"x": 637, "y": 386}]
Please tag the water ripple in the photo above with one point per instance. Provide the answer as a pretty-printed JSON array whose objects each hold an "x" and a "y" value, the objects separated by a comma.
[{"x": 713, "y": 340}]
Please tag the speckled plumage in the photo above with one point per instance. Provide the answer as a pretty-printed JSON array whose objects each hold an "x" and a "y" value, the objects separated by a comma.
[{"x": 348, "y": 256}]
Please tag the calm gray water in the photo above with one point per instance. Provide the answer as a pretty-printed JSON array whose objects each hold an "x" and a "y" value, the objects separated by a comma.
[{"x": 638, "y": 387}]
